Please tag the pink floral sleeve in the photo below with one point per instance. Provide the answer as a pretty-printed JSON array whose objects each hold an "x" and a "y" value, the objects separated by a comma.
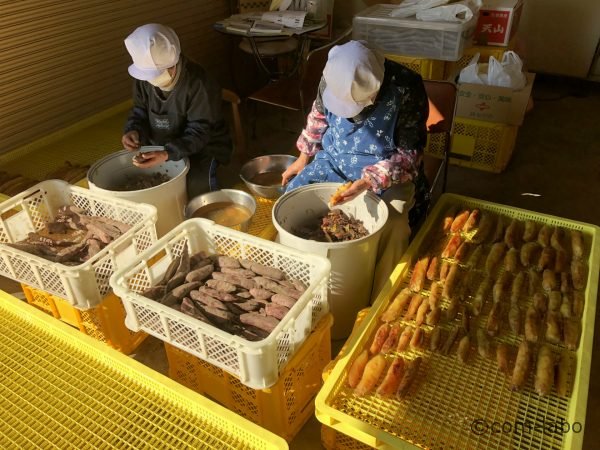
[
  {"x": 309, "y": 141},
  {"x": 401, "y": 167}
]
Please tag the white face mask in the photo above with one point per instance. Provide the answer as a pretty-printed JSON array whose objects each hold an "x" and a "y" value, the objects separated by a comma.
[{"x": 162, "y": 81}]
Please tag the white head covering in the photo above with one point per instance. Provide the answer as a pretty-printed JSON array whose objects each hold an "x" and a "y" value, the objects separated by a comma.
[
  {"x": 153, "y": 49},
  {"x": 353, "y": 75}
]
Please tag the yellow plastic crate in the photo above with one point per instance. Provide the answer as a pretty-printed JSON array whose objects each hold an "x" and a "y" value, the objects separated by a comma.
[
  {"x": 436, "y": 143},
  {"x": 429, "y": 69},
  {"x": 105, "y": 322},
  {"x": 334, "y": 440},
  {"x": 449, "y": 399},
  {"x": 329, "y": 367},
  {"x": 62, "y": 389},
  {"x": 481, "y": 145},
  {"x": 330, "y": 438},
  {"x": 284, "y": 407}
]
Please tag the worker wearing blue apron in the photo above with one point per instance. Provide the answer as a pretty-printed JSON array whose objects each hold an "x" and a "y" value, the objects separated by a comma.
[{"x": 368, "y": 125}]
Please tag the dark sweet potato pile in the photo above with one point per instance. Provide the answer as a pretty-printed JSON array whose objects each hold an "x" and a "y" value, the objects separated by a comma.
[
  {"x": 335, "y": 226},
  {"x": 72, "y": 237},
  {"x": 241, "y": 297}
]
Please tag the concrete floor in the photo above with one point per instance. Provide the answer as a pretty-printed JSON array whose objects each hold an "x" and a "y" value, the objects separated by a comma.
[{"x": 555, "y": 169}]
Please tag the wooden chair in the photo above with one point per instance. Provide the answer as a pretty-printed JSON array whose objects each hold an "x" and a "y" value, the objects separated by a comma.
[
  {"x": 239, "y": 141},
  {"x": 297, "y": 93},
  {"x": 442, "y": 97}
]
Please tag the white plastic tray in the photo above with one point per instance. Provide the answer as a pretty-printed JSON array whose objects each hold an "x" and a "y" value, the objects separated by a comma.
[
  {"x": 256, "y": 364},
  {"x": 412, "y": 37},
  {"x": 83, "y": 286}
]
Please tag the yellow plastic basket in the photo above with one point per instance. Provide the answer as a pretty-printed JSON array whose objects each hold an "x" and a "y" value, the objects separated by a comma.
[
  {"x": 481, "y": 145},
  {"x": 62, "y": 389},
  {"x": 429, "y": 69},
  {"x": 330, "y": 438},
  {"x": 284, "y": 407},
  {"x": 105, "y": 322},
  {"x": 334, "y": 440},
  {"x": 450, "y": 400}
]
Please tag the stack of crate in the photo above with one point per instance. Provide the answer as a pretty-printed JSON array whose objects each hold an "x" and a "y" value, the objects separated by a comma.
[
  {"x": 79, "y": 295},
  {"x": 483, "y": 144},
  {"x": 283, "y": 408}
]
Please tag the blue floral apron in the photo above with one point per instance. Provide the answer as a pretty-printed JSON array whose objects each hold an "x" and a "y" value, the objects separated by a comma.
[{"x": 348, "y": 146}]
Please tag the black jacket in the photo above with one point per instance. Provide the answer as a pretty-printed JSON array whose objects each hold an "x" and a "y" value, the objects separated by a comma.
[{"x": 188, "y": 120}]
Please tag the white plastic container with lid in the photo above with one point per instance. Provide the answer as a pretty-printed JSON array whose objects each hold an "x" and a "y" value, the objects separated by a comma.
[
  {"x": 352, "y": 262},
  {"x": 411, "y": 37},
  {"x": 170, "y": 198}
]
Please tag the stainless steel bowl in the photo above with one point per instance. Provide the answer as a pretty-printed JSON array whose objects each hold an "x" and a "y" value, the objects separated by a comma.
[
  {"x": 262, "y": 164},
  {"x": 226, "y": 196}
]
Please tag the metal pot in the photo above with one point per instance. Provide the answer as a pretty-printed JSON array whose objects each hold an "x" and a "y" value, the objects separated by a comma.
[
  {"x": 224, "y": 196},
  {"x": 262, "y": 164}
]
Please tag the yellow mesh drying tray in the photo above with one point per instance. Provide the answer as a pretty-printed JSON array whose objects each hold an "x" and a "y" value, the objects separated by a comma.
[
  {"x": 62, "y": 389},
  {"x": 261, "y": 224},
  {"x": 456, "y": 406}
]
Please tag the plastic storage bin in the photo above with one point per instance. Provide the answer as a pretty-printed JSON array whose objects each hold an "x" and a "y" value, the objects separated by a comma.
[
  {"x": 429, "y": 69},
  {"x": 107, "y": 174},
  {"x": 352, "y": 262},
  {"x": 256, "y": 364},
  {"x": 62, "y": 389},
  {"x": 482, "y": 145},
  {"x": 83, "y": 286},
  {"x": 105, "y": 323},
  {"x": 412, "y": 37},
  {"x": 283, "y": 408},
  {"x": 450, "y": 400}
]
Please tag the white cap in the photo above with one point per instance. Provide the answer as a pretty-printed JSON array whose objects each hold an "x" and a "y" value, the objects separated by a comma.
[
  {"x": 353, "y": 75},
  {"x": 153, "y": 49}
]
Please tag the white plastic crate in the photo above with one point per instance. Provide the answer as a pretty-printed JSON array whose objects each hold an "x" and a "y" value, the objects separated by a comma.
[
  {"x": 256, "y": 364},
  {"x": 412, "y": 37},
  {"x": 83, "y": 286}
]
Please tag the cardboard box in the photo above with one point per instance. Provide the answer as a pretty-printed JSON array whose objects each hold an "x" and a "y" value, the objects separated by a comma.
[
  {"x": 493, "y": 103},
  {"x": 498, "y": 22}
]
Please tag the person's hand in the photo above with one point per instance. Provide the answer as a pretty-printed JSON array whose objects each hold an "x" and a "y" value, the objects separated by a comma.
[
  {"x": 295, "y": 168},
  {"x": 151, "y": 159},
  {"x": 131, "y": 140},
  {"x": 358, "y": 187}
]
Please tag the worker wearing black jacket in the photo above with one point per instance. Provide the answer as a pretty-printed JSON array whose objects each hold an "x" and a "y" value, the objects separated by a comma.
[{"x": 176, "y": 104}]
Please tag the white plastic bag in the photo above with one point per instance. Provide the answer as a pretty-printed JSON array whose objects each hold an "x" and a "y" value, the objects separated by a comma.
[
  {"x": 411, "y": 7},
  {"x": 460, "y": 12},
  {"x": 473, "y": 72},
  {"x": 508, "y": 72},
  {"x": 505, "y": 73}
]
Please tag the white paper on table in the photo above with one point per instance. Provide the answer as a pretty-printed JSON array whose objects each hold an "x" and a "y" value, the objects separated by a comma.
[
  {"x": 290, "y": 19},
  {"x": 263, "y": 26}
]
